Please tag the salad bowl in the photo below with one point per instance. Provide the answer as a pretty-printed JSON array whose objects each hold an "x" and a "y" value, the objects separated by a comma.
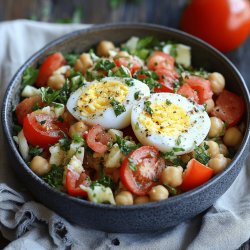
[{"x": 137, "y": 218}]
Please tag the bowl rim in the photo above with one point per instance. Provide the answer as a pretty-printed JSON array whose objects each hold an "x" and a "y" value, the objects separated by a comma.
[{"x": 95, "y": 28}]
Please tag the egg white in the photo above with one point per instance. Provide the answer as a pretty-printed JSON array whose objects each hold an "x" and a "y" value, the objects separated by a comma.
[
  {"x": 186, "y": 140},
  {"x": 106, "y": 117}
]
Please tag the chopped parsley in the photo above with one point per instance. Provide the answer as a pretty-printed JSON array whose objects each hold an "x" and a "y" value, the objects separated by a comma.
[
  {"x": 117, "y": 107},
  {"x": 201, "y": 153},
  {"x": 131, "y": 164},
  {"x": 168, "y": 102},
  {"x": 129, "y": 82},
  {"x": 174, "y": 159},
  {"x": 178, "y": 149},
  {"x": 64, "y": 144},
  {"x": 148, "y": 108},
  {"x": 71, "y": 58},
  {"x": 36, "y": 106},
  {"x": 171, "y": 190},
  {"x": 137, "y": 95},
  {"x": 122, "y": 72},
  {"x": 137, "y": 125},
  {"x": 178, "y": 140},
  {"x": 34, "y": 151},
  {"x": 126, "y": 146},
  {"x": 55, "y": 177},
  {"x": 104, "y": 65},
  {"x": 77, "y": 138},
  {"x": 29, "y": 76}
]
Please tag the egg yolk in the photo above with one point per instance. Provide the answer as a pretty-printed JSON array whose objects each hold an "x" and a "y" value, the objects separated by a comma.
[
  {"x": 96, "y": 97},
  {"x": 166, "y": 119}
]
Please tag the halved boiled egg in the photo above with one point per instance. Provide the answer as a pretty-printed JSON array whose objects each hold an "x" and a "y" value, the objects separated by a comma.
[
  {"x": 170, "y": 122},
  {"x": 107, "y": 102}
]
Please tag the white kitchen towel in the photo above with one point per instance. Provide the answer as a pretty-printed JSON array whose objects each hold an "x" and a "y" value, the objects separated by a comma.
[{"x": 30, "y": 225}]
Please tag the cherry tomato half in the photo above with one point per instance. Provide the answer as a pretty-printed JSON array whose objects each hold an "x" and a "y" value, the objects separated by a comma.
[
  {"x": 160, "y": 59},
  {"x": 195, "y": 175},
  {"x": 188, "y": 92},
  {"x": 229, "y": 107},
  {"x": 97, "y": 139},
  {"x": 132, "y": 63},
  {"x": 49, "y": 65},
  {"x": 201, "y": 86},
  {"x": 40, "y": 129},
  {"x": 225, "y": 24},
  {"x": 73, "y": 182},
  {"x": 141, "y": 170},
  {"x": 26, "y": 107},
  {"x": 167, "y": 77}
]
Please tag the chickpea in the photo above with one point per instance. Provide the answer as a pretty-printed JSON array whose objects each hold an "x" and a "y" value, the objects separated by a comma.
[
  {"x": 78, "y": 128},
  {"x": 158, "y": 193},
  {"x": 124, "y": 198},
  {"x": 217, "y": 127},
  {"x": 217, "y": 81},
  {"x": 104, "y": 47},
  {"x": 122, "y": 54},
  {"x": 83, "y": 63},
  {"x": 40, "y": 165},
  {"x": 56, "y": 81},
  {"x": 210, "y": 105},
  {"x": 172, "y": 176},
  {"x": 141, "y": 199},
  {"x": 213, "y": 149},
  {"x": 218, "y": 163},
  {"x": 232, "y": 137},
  {"x": 223, "y": 149}
]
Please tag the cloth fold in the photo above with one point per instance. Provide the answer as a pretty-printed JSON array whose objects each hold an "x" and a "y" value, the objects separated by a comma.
[{"x": 30, "y": 225}]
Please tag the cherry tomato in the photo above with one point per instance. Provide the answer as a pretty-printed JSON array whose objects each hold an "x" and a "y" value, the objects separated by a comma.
[
  {"x": 49, "y": 65},
  {"x": 26, "y": 107},
  {"x": 195, "y": 175},
  {"x": 201, "y": 86},
  {"x": 225, "y": 24},
  {"x": 40, "y": 129},
  {"x": 188, "y": 92},
  {"x": 229, "y": 107},
  {"x": 167, "y": 77},
  {"x": 132, "y": 63},
  {"x": 160, "y": 59},
  {"x": 73, "y": 182},
  {"x": 97, "y": 139},
  {"x": 141, "y": 170}
]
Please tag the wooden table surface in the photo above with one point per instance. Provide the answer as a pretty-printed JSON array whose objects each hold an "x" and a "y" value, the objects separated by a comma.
[{"x": 165, "y": 12}]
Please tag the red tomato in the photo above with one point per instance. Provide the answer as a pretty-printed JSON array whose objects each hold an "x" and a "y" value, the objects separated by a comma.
[
  {"x": 40, "y": 129},
  {"x": 201, "y": 86},
  {"x": 195, "y": 175},
  {"x": 147, "y": 173},
  {"x": 73, "y": 182},
  {"x": 160, "y": 59},
  {"x": 49, "y": 65},
  {"x": 166, "y": 77},
  {"x": 188, "y": 92},
  {"x": 132, "y": 63},
  {"x": 97, "y": 139},
  {"x": 229, "y": 107},
  {"x": 224, "y": 24},
  {"x": 25, "y": 107}
]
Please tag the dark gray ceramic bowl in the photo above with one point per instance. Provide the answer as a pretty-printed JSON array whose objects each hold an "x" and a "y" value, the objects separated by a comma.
[{"x": 137, "y": 218}]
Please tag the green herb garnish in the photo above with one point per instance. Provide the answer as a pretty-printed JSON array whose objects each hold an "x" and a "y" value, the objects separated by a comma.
[
  {"x": 137, "y": 95},
  {"x": 117, "y": 107},
  {"x": 77, "y": 138},
  {"x": 131, "y": 164},
  {"x": 148, "y": 108},
  {"x": 201, "y": 153},
  {"x": 122, "y": 72},
  {"x": 55, "y": 177},
  {"x": 104, "y": 65},
  {"x": 64, "y": 144},
  {"x": 29, "y": 76},
  {"x": 34, "y": 151},
  {"x": 71, "y": 59},
  {"x": 129, "y": 82},
  {"x": 126, "y": 146},
  {"x": 168, "y": 102}
]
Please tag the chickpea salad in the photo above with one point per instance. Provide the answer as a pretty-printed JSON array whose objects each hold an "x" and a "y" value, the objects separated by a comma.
[{"x": 126, "y": 124}]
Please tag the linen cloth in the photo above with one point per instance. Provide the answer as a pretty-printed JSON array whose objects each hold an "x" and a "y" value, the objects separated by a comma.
[{"x": 30, "y": 225}]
